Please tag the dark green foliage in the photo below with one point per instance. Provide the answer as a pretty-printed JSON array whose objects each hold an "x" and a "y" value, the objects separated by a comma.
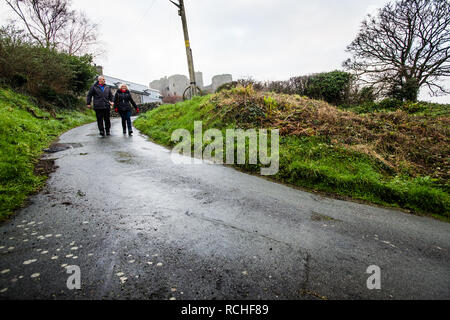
[
  {"x": 383, "y": 105},
  {"x": 365, "y": 95},
  {"x": 405, "y": 91},
  {"x": 83, "y": 72},
  {"x": 332, "y": 87},
  {"x": 52, "y": 78},
  {"x": 431, "y": 110},
  {"x": 22, "y": 138}
]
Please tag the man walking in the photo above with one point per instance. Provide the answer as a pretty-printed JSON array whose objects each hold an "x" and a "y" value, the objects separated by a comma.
[{"x": 103, "y": 101}]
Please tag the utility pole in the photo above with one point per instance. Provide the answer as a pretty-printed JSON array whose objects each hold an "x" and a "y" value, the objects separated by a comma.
[{"x": 182, "y": 14}]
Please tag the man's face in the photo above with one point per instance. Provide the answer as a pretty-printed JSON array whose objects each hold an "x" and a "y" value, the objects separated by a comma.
[{"x": 101, "y": 80}]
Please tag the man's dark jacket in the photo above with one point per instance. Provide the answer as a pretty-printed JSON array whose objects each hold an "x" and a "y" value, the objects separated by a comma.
[
  {"x": 102, "y": 98},
  {"x": 122, "y": 101}
]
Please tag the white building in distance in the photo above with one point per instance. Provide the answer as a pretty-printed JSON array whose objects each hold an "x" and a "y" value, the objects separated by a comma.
[{"x": 140, "y": 93}]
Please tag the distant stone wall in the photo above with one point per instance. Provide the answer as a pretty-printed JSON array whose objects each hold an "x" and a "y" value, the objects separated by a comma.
[
  {"x": 143, "y": 108},
  {"x": 136, "y": 97}
]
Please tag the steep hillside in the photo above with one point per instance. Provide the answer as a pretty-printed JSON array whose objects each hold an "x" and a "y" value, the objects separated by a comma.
[
  {"x": 392, "y": 158},
  {"x": 25, "y": 131}
]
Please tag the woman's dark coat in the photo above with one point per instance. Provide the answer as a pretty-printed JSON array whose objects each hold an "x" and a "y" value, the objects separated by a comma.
[{"x": 122, "y": 101}]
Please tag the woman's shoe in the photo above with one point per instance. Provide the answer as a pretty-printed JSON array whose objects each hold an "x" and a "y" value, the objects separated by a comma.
[{"x": 130, "y": 133}]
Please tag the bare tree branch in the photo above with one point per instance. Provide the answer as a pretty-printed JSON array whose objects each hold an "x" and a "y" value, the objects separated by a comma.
[
  {"x": 53, "y": 25},
  {"x": 79, "y": 36},
  {"x": 406, "y": 46}
]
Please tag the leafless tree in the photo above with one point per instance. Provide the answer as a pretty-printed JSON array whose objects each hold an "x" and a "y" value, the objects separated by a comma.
[
  {"x": 44, "y": 19},
  {"x": 405, "y": 47},
  {"x": 52, "y": 24},
  {"x": 79, "y": 36}
]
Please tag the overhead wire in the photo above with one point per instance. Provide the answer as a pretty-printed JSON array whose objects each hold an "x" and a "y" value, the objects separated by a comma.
[{"x": 145, "y": 13}]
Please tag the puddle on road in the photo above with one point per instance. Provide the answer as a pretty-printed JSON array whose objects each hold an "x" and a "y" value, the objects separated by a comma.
[
  {"x": 124, "y": 157},
  {"x": 58, "y": 147},
  {"x": 315, "y": 216}
]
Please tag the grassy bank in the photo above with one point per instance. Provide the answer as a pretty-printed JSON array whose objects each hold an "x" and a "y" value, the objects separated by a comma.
[
  {"x": 25, "y": 131},
  {"x": 391, "y": 158}
]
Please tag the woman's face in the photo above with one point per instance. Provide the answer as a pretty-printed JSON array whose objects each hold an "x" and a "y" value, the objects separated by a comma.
[{"x": 124, "y": 88}]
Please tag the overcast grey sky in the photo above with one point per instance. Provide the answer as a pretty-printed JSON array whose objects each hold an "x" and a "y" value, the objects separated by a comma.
[{"x": 264, "y": 39}]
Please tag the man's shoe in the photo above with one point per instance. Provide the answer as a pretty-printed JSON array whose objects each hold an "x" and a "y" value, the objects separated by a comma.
[
  {"x": 130, "y": 133},
  {"x": 108, "y": 133},
  {"x": 102, "y": 133},
  {"x": 124, "y": 132}
]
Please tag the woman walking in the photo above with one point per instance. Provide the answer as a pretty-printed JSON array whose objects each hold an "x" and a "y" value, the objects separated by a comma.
[{"x": 122, "y": 101}]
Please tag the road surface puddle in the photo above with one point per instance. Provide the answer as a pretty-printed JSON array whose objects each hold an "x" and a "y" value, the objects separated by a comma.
[
  {"x": 58, "y": 147},
  {"x": 123, "y": 157},
  {"x": 315, "y": 216}
]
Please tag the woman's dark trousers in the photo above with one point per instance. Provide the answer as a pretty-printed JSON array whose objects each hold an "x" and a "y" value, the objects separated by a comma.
[{"x": 126, "y": 121}]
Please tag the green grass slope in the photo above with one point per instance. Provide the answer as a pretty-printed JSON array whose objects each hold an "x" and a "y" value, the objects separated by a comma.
[
  {"x": 23, "y": 137},
  {"x": 379, "y": 158}
]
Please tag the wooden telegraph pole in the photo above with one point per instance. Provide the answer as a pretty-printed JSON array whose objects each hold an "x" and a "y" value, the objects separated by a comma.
[{"x": 182, "y": 14}]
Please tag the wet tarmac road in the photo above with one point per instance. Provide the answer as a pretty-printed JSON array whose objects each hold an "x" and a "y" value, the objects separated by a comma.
[{"x": 141, "y": 227}]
